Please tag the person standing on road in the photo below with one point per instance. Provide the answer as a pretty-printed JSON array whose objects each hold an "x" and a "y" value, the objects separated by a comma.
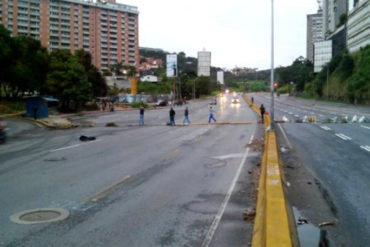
[
  {"x": 186, "y": 116},
  {"x": 211, "y": 117},
  {"x": 262, "y": 110},
  {"x": 141, "y": 119},
  {"x": 172, "y": 117},
  {"x": 252, "y": 100}
]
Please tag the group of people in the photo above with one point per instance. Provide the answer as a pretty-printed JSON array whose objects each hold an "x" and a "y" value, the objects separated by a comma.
[
  {"x": 104, "y": 105},
  {"x": 172, "y": 114}
]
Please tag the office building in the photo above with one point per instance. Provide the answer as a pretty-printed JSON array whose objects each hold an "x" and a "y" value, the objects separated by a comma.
[
  {"x": 323, "y": 54},
  {"x": 315, "y": 32},
  {"x": 332, "y": 12},
  {"x": 358, "y": 25},
  {"x": 106, "y": 29}
]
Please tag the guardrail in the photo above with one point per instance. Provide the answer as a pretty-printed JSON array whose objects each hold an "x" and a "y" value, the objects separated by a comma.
[{"x": 271, "y": 225}]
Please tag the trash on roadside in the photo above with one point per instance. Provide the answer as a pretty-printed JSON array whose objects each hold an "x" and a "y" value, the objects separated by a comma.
[
  {"x": 354, "y": 119},
  {"x": 111, "y": 124},
  {"x": 87, "y": 138},
  {"x": 302, "y": 221},
  {"x": 249, "y": 214},
  {"x": 328, "y": 223}
]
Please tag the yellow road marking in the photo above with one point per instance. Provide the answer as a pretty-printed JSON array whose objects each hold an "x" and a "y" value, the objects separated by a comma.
[{"x": 106, "y": 191}]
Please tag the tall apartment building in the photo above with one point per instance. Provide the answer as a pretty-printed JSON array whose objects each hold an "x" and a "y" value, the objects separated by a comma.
[
  {"x": 358, "y": 25},
  {"x": 315, "y": 32},
  {"x": 106, "y": 29},
  {"x": 332, "y": 11}
]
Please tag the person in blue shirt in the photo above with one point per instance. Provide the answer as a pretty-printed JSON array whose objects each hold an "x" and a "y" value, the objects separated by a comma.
[
  {"x": 172, "y": 117},
  {"x": 186, "y": 116},
  {"x": 211, "y": 117},
  {"x": 141, "y": 119}
]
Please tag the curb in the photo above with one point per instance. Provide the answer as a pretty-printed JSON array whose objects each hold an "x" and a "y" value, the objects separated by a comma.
[
  {"x": 272, "y": 224},
  {"x": 13, "y": 114}
]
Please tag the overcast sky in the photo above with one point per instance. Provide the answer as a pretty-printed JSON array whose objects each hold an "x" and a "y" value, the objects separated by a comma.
[{"x": 237, "y": 32}]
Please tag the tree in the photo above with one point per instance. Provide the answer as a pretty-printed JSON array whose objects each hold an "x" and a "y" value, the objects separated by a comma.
[
  {"x": 5, "y": 58},
  {"x": 67, "y": 80},
  {"x": 30, "y": 66},
  {"x": 99, "y": 85}
]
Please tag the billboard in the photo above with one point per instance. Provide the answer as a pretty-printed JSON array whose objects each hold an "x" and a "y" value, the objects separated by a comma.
[
  {"x": 204, "y": 63},
  {"x": 322, "y": 54},
  {"x": 220, "y": 77},
  {"x": 171, "y": 65}
]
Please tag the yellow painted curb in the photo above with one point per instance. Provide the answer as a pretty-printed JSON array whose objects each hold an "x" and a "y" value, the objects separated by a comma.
[{"x": 271, "y": 225}]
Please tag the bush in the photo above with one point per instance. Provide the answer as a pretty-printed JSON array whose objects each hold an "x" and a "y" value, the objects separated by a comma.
[
  {"x": 283, "y": 89},
  {"x": 139, "y": 104}
]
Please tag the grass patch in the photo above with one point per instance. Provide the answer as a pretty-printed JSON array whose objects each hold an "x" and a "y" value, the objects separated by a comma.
[{"x": 10, "y": 106}]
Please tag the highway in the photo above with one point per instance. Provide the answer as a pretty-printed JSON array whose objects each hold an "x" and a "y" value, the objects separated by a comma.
[
  {"x": 154, "y": 185},
  {"x": 337, "y": 154}
]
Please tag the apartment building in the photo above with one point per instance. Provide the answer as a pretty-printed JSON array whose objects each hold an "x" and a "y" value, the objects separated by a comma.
[
  {"x": 358, "y": 25},
  {"x": 315, "y": 32},
  {"x": 106, "y": 29},
  {"x": 332, "y": 12}
]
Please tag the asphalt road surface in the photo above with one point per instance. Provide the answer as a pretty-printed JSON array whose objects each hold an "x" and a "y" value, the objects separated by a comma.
[
  {"x": 154, "y": 185},
  {"x": 338, "y": 155}
]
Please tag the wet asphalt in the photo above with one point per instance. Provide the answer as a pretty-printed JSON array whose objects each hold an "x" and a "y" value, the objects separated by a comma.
[
  {"x": 151, "y": 185},
  {"x": 337, "y": 156}
]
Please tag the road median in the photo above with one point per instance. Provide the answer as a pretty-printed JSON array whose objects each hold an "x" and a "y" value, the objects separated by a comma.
[{"x": 272, "y": 225}]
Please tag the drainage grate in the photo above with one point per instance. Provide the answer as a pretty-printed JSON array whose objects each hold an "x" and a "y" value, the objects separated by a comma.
[{"x": 41, "y": 215}]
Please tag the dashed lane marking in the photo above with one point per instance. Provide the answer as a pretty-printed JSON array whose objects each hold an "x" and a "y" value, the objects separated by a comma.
[
  {"x": 366, "y": 127},
  {"x": 343, "y": 137},
  {"x": 74, "y": 146},
  {"x": 367, "y": 148},
  {"x": 63, "y": 148},
  {"x": 324, "y": 127}
]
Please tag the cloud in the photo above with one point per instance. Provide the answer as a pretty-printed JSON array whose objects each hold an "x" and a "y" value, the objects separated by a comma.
[{"x": 237, "y": 32}]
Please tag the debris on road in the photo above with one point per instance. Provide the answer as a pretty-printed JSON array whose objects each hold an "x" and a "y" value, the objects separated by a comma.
[
  {"x": 302, "y": 221},
  {"x": 249, "y": 214},
  {"x": 328, "y": 223},
  {"x": 111, "y": 124},
  {"x": 256, "y": 145},
  {"x": 87, "y": 138}
]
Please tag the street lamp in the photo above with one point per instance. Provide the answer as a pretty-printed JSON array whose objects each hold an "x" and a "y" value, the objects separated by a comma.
[{"x": 272, "y": 67}]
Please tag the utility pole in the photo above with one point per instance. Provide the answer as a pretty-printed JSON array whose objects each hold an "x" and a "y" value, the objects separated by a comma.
[
  {"x": 272, "y": 67},
  {"x": 327, "y": 81}
]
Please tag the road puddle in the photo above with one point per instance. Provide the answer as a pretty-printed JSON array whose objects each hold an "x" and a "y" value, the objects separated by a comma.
[{"x": 308, "y": 234}]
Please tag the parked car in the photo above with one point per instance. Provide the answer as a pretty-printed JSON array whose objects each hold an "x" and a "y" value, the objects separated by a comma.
[
  {"x": 161, "y": 102},
  {"x": 3, "y": 127}
]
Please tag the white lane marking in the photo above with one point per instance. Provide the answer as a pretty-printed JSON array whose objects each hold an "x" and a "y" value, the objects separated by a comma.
[
  {"x": 285, "y": 137},
  {"x": 207, "y": 240},
  {"x": 366, "y": 127},
  {"x": 63, "y": 148},
  {"x": 321, "y": 115},
  {"x": 344, "y": 137},
  {"x": 324, "y": 127},
  {"x": 296, "y": 115},
  {"x": 229, "y": 156},
  {"x": 290, "y": 113},
  {"x": 74, "y": 146},
  {"x": 367, "y": 148}
]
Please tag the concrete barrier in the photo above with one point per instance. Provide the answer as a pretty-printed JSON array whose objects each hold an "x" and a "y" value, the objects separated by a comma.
[{"x": 272, "y": 226}]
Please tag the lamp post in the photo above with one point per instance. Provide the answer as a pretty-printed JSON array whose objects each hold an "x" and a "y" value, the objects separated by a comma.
[{"x": 272, "y": 67}]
